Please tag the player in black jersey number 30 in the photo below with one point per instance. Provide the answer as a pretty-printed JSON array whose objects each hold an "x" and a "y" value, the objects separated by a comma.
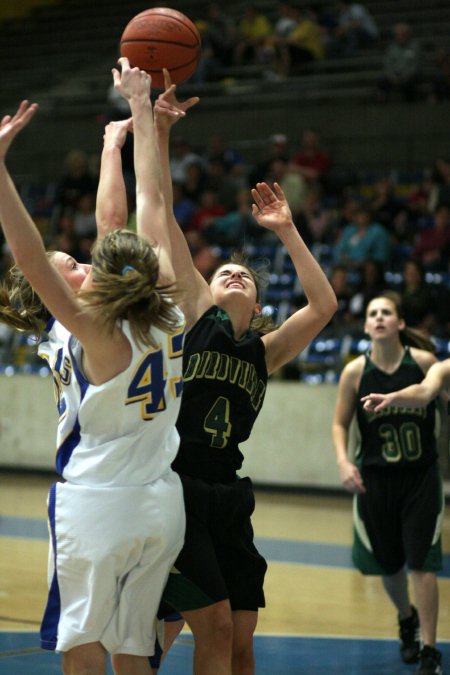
[{"x": 398, "y": 490}]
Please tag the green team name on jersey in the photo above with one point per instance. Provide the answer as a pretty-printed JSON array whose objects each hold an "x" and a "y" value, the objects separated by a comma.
[
  {"x": 222, "y": 367},
  {"x": 395, "y": 410}
]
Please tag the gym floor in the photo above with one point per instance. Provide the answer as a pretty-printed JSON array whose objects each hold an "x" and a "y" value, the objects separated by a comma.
[{"x": 322, "y": 616}]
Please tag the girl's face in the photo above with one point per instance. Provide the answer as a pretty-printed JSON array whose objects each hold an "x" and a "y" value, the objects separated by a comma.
[
  {"x": 75, "y": 274},
  {"x": 382, "y": 320},
  {"x": 232, "y": 281}
]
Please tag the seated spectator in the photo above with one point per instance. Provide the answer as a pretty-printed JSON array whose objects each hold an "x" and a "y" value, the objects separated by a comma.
[
  {"x": 362, "y": 240},
  {"x": 355, "y": 29},
  {"x": 417, "y": 298},
  {"x": 440, "y": 79},
  {"x": 401, "y": 66},
  {"x": 194, "y": 181},
  {"x": 226, "y": 183},
  {"x": 237, "y": 227},
  {"x": 384, "y": 204},
  {"x": 183, "y": 207},
  {"x": 433, "y": 243},
  {"x": 253, "y": 30},
  {"x": 210, "y": 208},
  {"x": 371, "y": 285},
  {"x": 440, "y": 189},
  {"x": 277, "y": 148},
  {"x": 303, "y": 44},
  {"x": 315, "y": 217},
  {"x": 76, "y": 181},
  {"x": 182, "y": 156},
  {"x": 311, "y": 160},
  {"x": 342, "y": 320},
  {"x": 218, "y": 34},
  {"x": 292, "y": 183}
]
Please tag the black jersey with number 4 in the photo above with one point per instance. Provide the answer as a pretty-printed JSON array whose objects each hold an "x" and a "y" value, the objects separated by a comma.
[
  {"x": 395, "y": 436},
  {"x": 223, "y": 391}
]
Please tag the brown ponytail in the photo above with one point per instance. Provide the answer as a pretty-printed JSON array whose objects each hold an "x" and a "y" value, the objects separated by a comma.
[{"x": 20, "y": 306}]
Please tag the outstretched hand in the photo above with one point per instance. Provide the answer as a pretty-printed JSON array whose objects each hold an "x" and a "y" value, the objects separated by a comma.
[
  {"x": 168, "y": 109},
  {"x": 376, "y": 402},
  {"x": 11, "y": 126},
  {"x": 116, "y": 133},
  {"x": 130, "y": 82},
  {"x": 270, "y": 207}
]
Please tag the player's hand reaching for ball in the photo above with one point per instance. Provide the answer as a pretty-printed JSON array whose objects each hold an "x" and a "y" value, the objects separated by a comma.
[
  {"x": 131, "y": 83},
  {"x": 10, "y": 126},
  {"x": 168, "y": 109},
  {"x": 270, "y": 207}
]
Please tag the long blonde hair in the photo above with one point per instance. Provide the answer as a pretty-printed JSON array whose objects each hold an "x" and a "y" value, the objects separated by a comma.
[{"x": 125, "y": 272}]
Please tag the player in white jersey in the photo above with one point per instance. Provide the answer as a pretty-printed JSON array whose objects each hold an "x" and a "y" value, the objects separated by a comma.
[{"x": 115, "y": 349}]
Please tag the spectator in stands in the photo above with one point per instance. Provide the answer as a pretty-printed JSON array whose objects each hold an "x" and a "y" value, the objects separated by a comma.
[
  {"x": 315, "y": 217},
  {"x": 75, "y": 181},
  {"x": 384, "y": 204},
  {"x": 362, "y": 240},
  {"x": 312, "y": 161},
  {"x": 218, "y": 43},
  {"x": 440, "y": 189},
  {"x": 183, "y": 207},
  {"x": 401, "y": 66},
  {"x": 225, "y": 183},
  {"x": 237, "y": 227},
  {"x": 342, "y": 321},
  {"x": 294, "y": 186},
  {"x": 440, "y": 80},
  {"x": 216, "y": 148},
  {"x": 209, "y": 209},
  {"x": 254, "y": 28},
  {"x": 355, "y": 29},
  {"x": 195, "y": 181},
  {"x": 433, "y": 243},
  {"x": 182, "y": 156},
  {"x": 303, "y": 44},
  {"x": 417, "y": 298},
  {"x": 277, "y": 147},
  {"x": 371, "y": 285}
]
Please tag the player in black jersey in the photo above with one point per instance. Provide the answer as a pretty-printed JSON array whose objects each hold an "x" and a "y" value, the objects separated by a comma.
[
  {"x": 229, "y": 353},
  {"x": 395, "y": 477},
  {"x": 436, "y": 381}
]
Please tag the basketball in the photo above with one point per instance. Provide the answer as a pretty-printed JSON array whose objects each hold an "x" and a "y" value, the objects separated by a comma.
[{"x": 160, "y": 38}]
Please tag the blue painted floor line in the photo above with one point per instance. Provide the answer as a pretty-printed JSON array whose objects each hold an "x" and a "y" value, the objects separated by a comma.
[
  {"x": 275, "y": 550},
  {"x": 275, "y": 655}
]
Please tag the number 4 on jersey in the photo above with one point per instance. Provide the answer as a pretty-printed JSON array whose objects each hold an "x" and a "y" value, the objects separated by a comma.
[{"x": 217, "y": 422}]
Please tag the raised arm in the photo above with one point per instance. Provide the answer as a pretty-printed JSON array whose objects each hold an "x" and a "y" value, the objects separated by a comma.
[
  {"x": 416, "y": 395},
  {"x": 271, "y": 210},
  {"x": 168, "y": 110},
  {"x": 135, "y": 86},
  {"x": 111, "y": 212},
  {"x": 344, "y": 411},
  {"x": 23, "y": 237}
]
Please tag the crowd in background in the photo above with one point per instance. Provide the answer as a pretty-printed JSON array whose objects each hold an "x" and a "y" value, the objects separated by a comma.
[{"x": 368, "y": 232}]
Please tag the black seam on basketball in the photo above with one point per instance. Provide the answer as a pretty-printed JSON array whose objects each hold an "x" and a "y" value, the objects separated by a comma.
[
  {"x": 183, "y": 23},
  {"x": 171, "y": 70}
]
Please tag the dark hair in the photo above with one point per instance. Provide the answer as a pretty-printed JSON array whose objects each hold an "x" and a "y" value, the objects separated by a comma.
[
  {"x": 260, "y": 323},
  {"x": 125, "y": 273},
  {"x": 408, "y": 336}
]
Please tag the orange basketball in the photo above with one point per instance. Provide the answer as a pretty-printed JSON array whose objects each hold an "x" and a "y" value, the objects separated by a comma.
[{"x": 162, "y": 38}]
